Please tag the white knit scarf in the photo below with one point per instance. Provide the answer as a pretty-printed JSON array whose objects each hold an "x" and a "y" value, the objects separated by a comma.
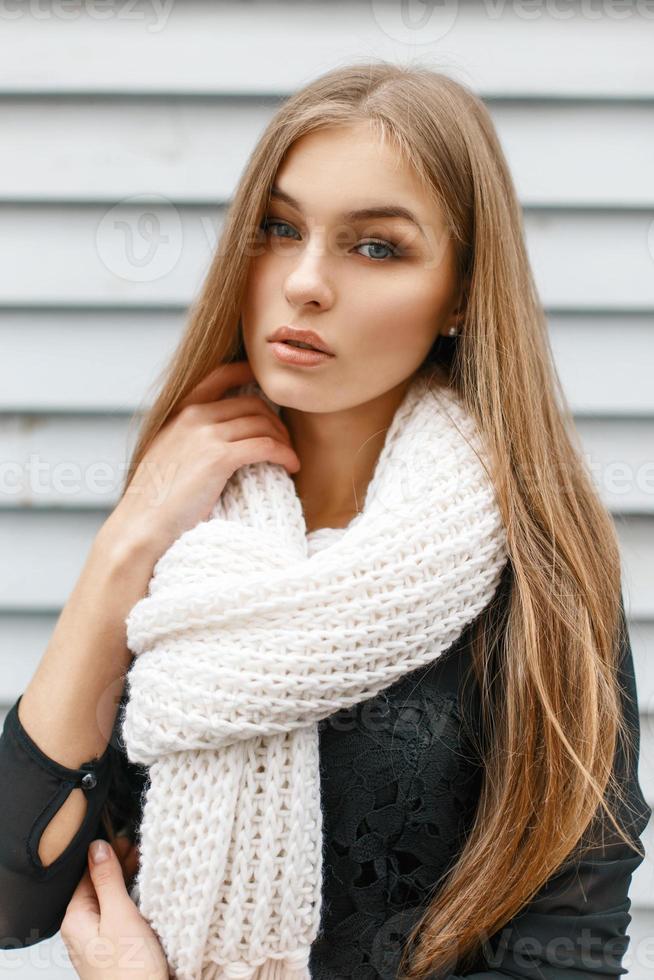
[{"x": 244, "y": 642}]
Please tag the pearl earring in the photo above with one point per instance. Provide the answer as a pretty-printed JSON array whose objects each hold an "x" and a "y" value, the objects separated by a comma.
[{"x": 453, "y": 331}]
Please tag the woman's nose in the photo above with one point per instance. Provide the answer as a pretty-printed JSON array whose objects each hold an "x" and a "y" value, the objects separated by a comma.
[{"x": 308, "y": 283}]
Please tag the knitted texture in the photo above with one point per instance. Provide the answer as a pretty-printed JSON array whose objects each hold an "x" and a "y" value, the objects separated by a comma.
[{"x": 245, "y": 641}]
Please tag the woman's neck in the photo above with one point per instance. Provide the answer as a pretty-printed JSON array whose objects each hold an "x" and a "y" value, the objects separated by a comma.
[{"x": 335, "y": 519}]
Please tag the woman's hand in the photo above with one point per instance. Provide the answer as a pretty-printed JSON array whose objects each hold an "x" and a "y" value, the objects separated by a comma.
[
  {"x": 185, "y": 468},
  {"x": 106, "y": 936}
]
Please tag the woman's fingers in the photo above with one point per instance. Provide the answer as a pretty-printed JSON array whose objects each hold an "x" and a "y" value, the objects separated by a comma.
[
  {"x": 100, "y": 883},
  {"x": 223, "y": 378},
  {"x": 81, "y": 923},
  {"x": 102, "y": 923},
  {"x": 107, "y": 878},
  {"x": 84, "y": 899}
]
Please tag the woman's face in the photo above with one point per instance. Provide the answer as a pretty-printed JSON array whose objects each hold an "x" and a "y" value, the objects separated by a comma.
[{"x": 377, "y": 289}]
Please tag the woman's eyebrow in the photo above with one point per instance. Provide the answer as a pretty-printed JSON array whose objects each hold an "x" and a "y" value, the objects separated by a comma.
[{"x": 358, "y": 214}]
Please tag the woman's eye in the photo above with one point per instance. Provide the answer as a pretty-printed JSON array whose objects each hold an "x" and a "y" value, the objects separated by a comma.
[
  {"x": 383, "y": 245},
  {"x": 268, "y": 224}
]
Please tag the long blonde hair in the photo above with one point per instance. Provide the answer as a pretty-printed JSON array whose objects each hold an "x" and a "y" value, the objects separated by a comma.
[{"x": 553, "y": 722}]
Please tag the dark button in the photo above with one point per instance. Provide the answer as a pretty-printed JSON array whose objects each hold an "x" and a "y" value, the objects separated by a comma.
[{"x": 89, "y": 780}]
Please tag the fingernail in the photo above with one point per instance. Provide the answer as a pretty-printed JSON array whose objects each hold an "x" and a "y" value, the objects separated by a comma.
[{"x": 99, "y": 851}]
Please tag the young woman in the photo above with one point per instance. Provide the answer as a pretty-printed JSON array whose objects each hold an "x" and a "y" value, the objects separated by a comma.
[{"x": 343, "y": 586}]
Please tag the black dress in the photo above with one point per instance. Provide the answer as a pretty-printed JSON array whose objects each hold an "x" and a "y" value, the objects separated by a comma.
[{"x": 400, "y": 781}]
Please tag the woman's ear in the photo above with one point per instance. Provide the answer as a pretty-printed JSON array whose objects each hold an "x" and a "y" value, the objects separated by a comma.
[{"x": 457, "y": 316}]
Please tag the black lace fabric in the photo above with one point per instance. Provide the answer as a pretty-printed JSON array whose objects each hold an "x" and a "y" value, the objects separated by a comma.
[{"x": 387, "y": 765}]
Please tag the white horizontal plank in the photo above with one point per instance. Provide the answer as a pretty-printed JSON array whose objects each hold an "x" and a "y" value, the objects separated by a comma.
[
  {"x": 151, "y": 251},
  {"x": 598, "y": 260},
  {"x": 48, "y": 549},
  {"x": 140, "y": 253},
  {"x": 636, "y": 537},
  {"x": 81, "y": 460},
  {"x": 43, "y": 553},
  {"x": 605, "y": 362},
  {"x": 68, "y": 461},
  {"x": 24, "y": 637},
  {"x": 75, "y": 359},
  {"x": 498, "y": 48},
  {"x": 84, "y": 360},
  {"x": 619, "y": 454},
  {"x": 184, "y": 150},
  {"x": 646, "y": 764},
  {"x": 194, "y": 151},
  {"x": 641, "y": 634},
  {"x": 585, "y": 164}
]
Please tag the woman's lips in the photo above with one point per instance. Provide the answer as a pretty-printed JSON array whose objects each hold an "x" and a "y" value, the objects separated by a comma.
[{"x": 299, "y": 356}]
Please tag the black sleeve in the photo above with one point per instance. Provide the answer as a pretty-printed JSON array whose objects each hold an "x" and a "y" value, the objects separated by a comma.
[
  {"x": 33, "y": 898},
  {"x": 576, "y": 926}
]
